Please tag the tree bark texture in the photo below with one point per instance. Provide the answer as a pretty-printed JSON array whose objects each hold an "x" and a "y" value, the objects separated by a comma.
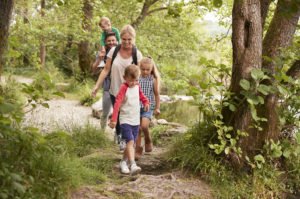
[
  {"x": 248, "y": 18},
  {"x": 26, "y": 60},
  {"x": 6, "y": 7},
  {"x": 278, "y": 37},
  {"x": 84, "y": 46},
  {"x": 42, "y": 42},
  {"x": 247, "y": 52}
]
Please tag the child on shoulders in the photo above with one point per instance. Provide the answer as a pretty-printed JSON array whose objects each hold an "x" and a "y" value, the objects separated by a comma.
[{"x": 106, "y": 27}]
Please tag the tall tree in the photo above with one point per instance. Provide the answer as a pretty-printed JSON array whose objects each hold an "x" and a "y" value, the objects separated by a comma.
[
  {"x": 6, "y": 8},
  {"x": 26, "y": 60},
  {"x": 249, "y": 48},
  {"x": 84, "y": 45},
  {"x": 42, "y": 42}
]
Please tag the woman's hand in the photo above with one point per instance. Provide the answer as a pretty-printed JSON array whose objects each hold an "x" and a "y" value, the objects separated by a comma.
[{"x": 94, "y": 91}]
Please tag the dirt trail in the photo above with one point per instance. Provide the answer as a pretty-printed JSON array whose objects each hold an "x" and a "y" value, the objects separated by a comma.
[{"x": 157, "y": 180}]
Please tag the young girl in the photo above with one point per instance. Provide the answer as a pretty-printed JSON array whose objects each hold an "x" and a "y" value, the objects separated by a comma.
[
  {"x": 150, "y": 84},
  {"x": 128, "y": 102}
]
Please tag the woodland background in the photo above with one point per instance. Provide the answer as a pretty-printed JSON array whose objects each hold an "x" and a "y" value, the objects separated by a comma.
[{"x": 238, "y": 59}]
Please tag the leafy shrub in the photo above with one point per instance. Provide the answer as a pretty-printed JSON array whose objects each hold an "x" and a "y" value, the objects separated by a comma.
[
  {"x": 36, "y": 166},
  {"x": 191, "y": 151}
]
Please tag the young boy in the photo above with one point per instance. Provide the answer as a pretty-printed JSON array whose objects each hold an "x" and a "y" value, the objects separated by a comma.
[
  {"x": 128, "y": 101},
  {"x": 106, "y": 27}
]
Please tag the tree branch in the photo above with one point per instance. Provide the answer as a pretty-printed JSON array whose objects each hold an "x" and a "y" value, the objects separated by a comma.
[
  {"x": 294, "y": 71},
  {"x": 145, "y": 12},
  {"x": 156, "y": 10},
  {"x": 265, "y": 4}
]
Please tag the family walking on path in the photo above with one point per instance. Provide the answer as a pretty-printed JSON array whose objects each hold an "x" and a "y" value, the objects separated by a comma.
[{"x": 132, "y": 83}]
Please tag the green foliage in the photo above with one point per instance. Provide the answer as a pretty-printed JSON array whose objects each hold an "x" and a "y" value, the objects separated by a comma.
[
  {"x": 155, "y": 134},
  {"x": 227, "y": 140},
  {"x": 266, "y": 180},
  {"x": 88, "y": 138},
  {"x": 86, "y": 98},
  {"x": 36, "y": 166}
]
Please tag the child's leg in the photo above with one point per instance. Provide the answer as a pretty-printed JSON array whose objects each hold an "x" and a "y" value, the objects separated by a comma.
[
  {"x": 145, "y": 128},
  {"x": 138, "y": 145},
  {"x": 138, "y": 142},
  {"x": 129, "y": 133}
]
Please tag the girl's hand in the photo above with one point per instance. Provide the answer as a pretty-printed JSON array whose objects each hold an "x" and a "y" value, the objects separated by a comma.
[
  {"x": 157, "y": 111},
  {"x": 112, "y": 124},
  {"x": 146, "y": 107}
]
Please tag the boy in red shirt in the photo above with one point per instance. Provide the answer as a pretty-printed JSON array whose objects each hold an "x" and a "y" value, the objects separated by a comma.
[{"x": 128, "y": 103}]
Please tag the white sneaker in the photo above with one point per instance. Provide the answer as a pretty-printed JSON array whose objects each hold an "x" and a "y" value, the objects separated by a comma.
[
  {"x": 122, "y": 145},
  {"x": 124, "y": 168},
  {"x": 134, "y": 169}
]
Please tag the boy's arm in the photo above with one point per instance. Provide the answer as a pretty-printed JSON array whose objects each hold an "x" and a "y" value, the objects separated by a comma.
[
  {"x": 116, "y": 31},
  {"x": 143, "y": 98},
  {"x": 156, "y": 96},
  {"x": 102, "y": 40},
  {"x": 119, "y": 99}
]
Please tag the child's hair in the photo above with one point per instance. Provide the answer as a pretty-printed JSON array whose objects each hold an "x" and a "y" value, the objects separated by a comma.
[
  {"x": 154, "y": 70},
  {"x": 130, "y": 30},
  {"x": 104, "y": 20},
  {"x": 132, "y": 71}
]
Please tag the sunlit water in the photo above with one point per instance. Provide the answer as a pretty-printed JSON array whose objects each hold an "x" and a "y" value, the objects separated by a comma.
[{"x": 182, "y": 112}]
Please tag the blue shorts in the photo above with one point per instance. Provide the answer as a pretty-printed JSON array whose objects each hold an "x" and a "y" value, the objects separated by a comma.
[
  {"x": 146, "y": 114},
  {"x": 129, "y": 132}
]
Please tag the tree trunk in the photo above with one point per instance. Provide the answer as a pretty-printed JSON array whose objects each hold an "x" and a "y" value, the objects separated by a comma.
[
  {"x": 84, "y": 46},
  {"x": 6, "y": 8},
  {"x": 247, "y": 51},
  {"x": 248, "y": 18},
  {"x": 26, "y": 60},
  {"x": 278, "y": 37},
  {"x": 42, "y": 42}
]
